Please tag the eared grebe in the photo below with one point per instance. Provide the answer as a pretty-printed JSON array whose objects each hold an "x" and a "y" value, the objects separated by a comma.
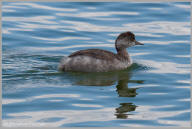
[{"x": 97, "y": 60}]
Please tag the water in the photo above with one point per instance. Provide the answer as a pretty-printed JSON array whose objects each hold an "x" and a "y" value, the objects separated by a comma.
[{"x": 154, "y": 91}]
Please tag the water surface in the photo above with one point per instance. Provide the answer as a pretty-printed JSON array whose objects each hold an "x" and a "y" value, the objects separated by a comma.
[{"x": 154, "y": 91}]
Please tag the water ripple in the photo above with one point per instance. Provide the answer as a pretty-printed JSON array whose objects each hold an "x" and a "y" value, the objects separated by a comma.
[{"x": 36, "y": 35}]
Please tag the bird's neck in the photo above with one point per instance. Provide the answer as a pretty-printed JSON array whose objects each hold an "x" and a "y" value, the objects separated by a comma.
[{"x": 123, "y": 54}]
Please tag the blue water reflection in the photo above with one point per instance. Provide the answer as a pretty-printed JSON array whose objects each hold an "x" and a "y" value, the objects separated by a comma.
[{"x": 154, "y": 91}]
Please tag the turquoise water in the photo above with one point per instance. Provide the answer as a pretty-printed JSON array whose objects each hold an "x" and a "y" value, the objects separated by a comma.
[{"x": 154, "y": 91}]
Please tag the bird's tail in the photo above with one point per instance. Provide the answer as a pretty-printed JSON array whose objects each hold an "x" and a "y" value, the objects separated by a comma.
[{"x": 61, "y": 66}]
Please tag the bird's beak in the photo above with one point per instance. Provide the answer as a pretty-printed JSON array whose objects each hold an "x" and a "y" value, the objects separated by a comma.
[{"x": 138, "y": 43}]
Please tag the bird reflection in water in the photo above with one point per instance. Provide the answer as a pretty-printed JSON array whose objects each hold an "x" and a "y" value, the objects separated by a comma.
[
  {"x": 122, "y": 78},
  {"x": 121, "y": 112}
]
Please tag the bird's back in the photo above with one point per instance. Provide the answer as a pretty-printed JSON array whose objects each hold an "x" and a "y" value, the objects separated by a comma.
[{"x": 95, "y": 53}]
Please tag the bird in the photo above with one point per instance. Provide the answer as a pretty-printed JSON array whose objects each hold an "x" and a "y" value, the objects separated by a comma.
[{"x": 99, "y": 60}]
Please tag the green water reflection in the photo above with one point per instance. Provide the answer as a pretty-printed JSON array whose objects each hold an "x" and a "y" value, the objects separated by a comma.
[{"x": 119, "y": 78}]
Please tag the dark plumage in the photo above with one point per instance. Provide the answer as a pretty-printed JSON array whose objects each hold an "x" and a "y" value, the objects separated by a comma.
[
  {"x": 95, "y": 53},
  {"x": 97, "y": 60}
]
